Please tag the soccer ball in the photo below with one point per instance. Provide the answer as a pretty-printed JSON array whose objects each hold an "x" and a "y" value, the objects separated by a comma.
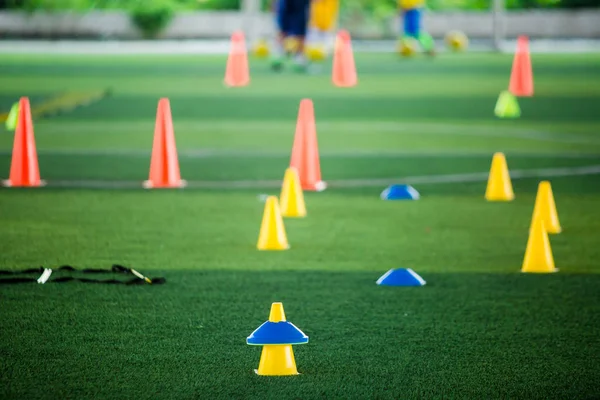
[
  {"x": 457, "y": 41},
  {"x": 315, "y": 53},
  {"x": 407, "y": 47},
  {"x": 261, "y": 49}
]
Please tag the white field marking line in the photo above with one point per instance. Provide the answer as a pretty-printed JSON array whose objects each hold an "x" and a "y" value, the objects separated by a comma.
[
  {"x": 404, "y": 128},
  {"x": 208, "y": 153},
  {"x": 350, "y": 183},
  {"x": 470, "y": 177}
]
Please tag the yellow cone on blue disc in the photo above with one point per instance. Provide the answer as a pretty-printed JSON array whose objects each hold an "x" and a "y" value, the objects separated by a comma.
[
  {"x": 277, "y": 336},
  {"x": 291, "y": 199},
  {"x": 272, "y": 234}
]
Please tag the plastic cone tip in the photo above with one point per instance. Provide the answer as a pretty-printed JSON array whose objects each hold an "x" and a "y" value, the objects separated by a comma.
[
  {"x": 523, "y": 43},
  {"x": 344, "y": 35},
  {"x": 277, "y": 313}
]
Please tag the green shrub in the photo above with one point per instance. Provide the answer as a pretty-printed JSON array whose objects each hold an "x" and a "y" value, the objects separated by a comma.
[{"x": 152, "y": 17}]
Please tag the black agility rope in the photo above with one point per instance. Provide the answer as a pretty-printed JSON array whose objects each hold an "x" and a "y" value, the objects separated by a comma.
[{"x": 47, "y": 272}]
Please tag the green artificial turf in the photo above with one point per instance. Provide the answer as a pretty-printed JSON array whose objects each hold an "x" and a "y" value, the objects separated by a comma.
[{"x": 478, "y": 329}]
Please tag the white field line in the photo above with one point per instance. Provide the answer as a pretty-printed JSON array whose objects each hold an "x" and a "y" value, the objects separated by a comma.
[
  {"x": 350, "y": 183},
  {"x": 208, "y": 153},
  {"x": 413, "y": 130}
]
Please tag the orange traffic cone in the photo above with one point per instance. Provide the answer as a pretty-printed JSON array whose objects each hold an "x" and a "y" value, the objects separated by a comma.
[
  {"x": 305, "y": 153},
  {"x": 24, "y": 168},
  {"x": 164, "y": 166},
  {"x": 521, "y": 76},
  {"x": 237, "y": 72},
  {"x": 344, "y": 69}
]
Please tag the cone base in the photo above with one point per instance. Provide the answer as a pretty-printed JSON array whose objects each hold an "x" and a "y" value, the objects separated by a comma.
[
  {"x": 495, "y": 198},
  {"x": 256, "y": 372},
  {"x": 8, "y": 183},
  {"x": 550, "y": 232},
  {"x": 277, "y": 360},
  {"x": 237, "y": 84},
  {"x": 540, "y": 272},
  {"x": 266, "y": 248},
  {"x": 315, "y": 187},
  {"x": 295, "y": 215},
  {"x": 151, "y": 185},
  {"x": 345, "y": 85}
]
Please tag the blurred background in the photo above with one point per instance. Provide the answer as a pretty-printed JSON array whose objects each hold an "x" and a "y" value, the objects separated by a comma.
[{"x": 486, "y": 22}]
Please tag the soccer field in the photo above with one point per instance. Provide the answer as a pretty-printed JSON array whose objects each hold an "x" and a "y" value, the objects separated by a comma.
[{"x": 478, "y": 329}]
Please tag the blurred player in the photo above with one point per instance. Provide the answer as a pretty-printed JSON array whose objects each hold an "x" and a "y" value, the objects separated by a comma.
[
  {"x": 292, "y": 21},
  {"x": 412, "y": 16},
  {"x": 321, "y": 28}
]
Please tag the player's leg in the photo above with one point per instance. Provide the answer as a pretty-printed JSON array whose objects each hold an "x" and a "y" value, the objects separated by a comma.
[
  {"x": 424, "y": 38},
  {"x": 282, "y": 23},
  {"x": 413, "y": 28},
  {"x": 299, "y": 29},
  {"x": 412, "y": 23},
  {"x": 328, "y": 23}
]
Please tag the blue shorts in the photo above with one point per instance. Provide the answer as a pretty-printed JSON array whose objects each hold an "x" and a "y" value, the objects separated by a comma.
[
  {"x": 292, "y": 16},
  {"x": 412, "y": 22}
]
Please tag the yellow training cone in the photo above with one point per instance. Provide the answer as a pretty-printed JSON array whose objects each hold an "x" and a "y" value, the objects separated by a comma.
[
  {"x": 291, "y": 199},
  {"x": 272, "y": 232},
  {"x": 499, "y": 186},
  {"x": 545, "y": 208},
  {"x": 538, "y": 256},
  {"x": 277, "y": 337}
]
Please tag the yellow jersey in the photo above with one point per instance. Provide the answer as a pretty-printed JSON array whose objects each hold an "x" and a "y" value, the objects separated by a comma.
[
  {"x": 323, "y": 14},
  {"x": 410, "y": 4}
]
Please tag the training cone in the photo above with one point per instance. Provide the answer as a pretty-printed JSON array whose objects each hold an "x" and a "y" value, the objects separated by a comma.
[
  {"x": 507, "y": 106},
  {"x": 499, "y": 186},
  {"x": 545, "y": 209},
  {"x": 24, "y": 168},
  {"x": 237, "y": 72},
  {"x": 13, "y": 116},
  {"x": 305, "y": 151},
  {"x": 291, "y": 199},
  {"x": 343, "y": 72},
  {"x": 272, "y": 231},
  {"x": 521, "y": 76},
  {"x": 401, "y": 277},
  {"x": 400, "y": 192},
  {"x": 277, "y": 337},
  {"x": 538, "y": 255},
  {"x": 164, "y": 165}
]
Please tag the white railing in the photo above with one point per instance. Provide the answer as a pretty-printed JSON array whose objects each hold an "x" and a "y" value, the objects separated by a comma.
[{"x": 117, "y": 25}]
